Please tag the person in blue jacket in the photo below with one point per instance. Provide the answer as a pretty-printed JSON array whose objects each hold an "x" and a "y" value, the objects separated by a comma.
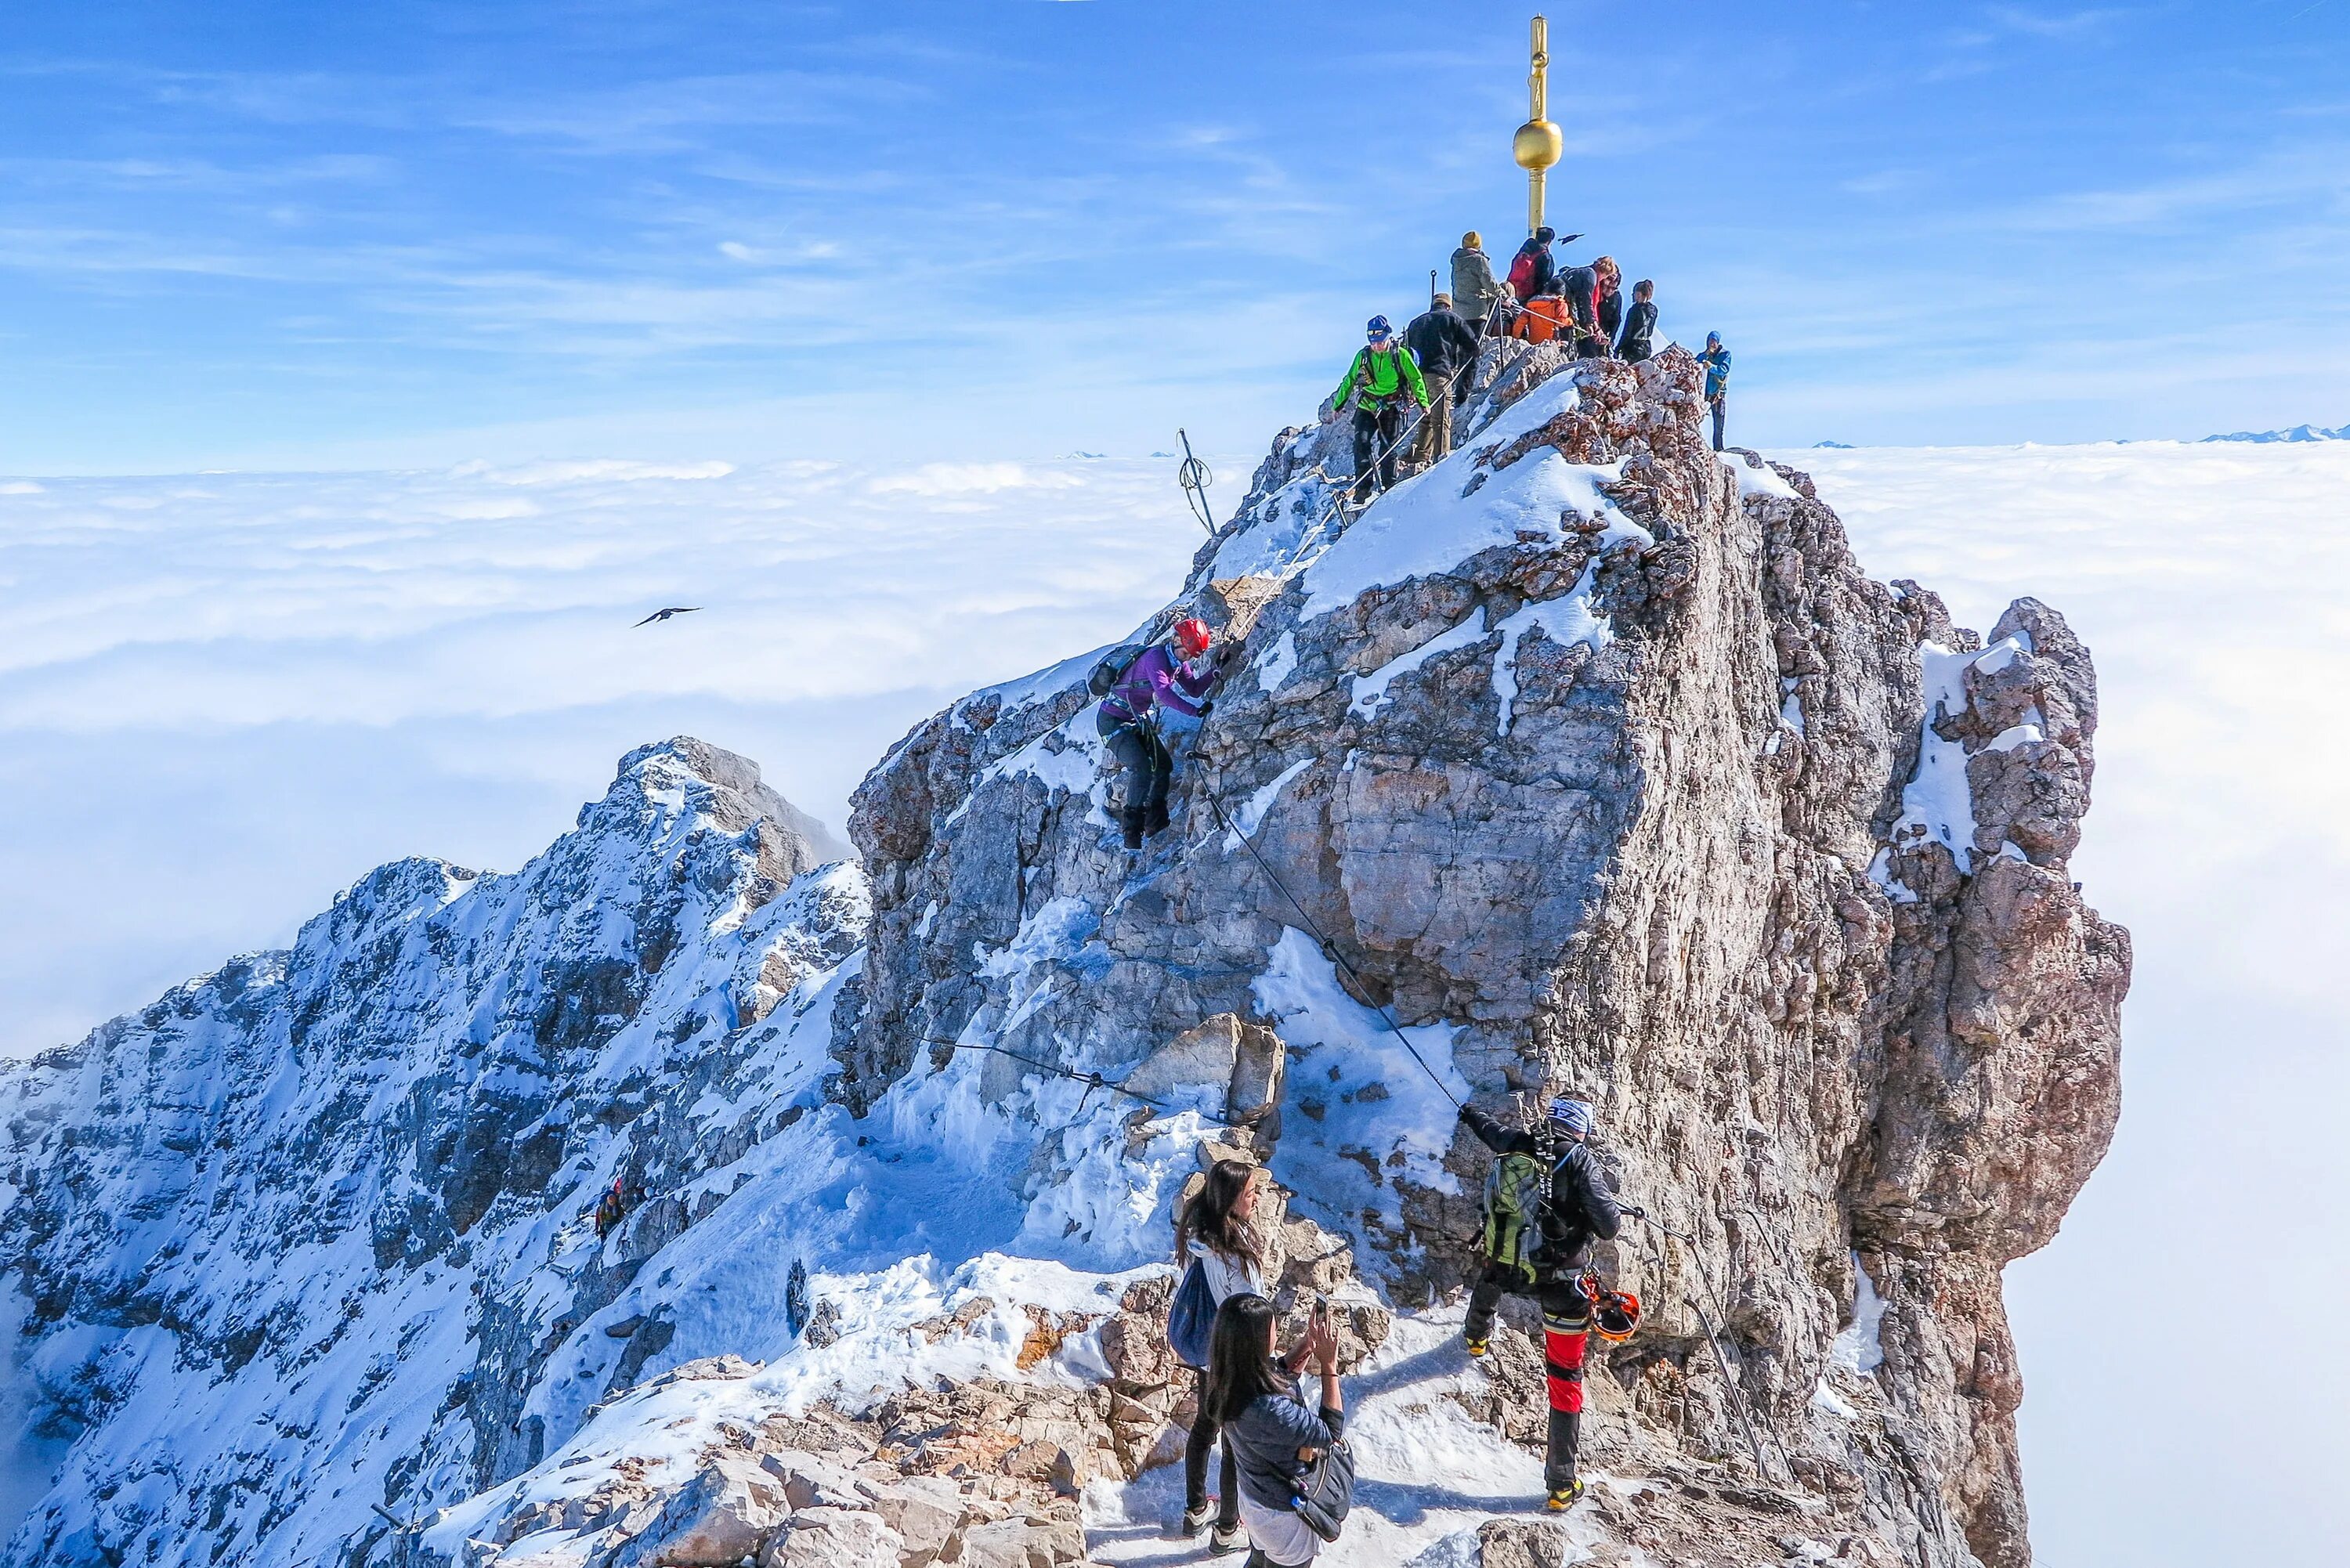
[{"x": 1716, "y": 360}]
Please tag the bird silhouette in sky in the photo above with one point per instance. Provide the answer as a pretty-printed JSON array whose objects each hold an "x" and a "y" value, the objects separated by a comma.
[{"x": 665, "y": 613}]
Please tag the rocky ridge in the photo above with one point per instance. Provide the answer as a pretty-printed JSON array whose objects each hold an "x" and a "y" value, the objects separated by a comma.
[{"x": 1598, "y": 762}]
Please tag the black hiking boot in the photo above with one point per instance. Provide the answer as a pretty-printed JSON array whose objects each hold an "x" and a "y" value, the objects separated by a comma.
[
  {"x": 1132, "y": 821},
  {"x": 1157, "y": 820},
  {"x": 1559, "y": 1464}
]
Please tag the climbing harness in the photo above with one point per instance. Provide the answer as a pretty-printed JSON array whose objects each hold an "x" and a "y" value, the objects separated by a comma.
[
  {"x": 1737, "y": 1394},
  {"x": 1195, "y": 477},
  {"x": 1329, "y": 948}
]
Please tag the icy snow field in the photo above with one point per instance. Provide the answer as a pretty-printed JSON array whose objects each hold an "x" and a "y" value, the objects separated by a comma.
[{"x": 222, "y": 697}]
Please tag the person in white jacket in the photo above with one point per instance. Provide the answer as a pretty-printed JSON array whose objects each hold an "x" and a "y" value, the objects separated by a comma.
[{"x": 1219, "y": 1223}]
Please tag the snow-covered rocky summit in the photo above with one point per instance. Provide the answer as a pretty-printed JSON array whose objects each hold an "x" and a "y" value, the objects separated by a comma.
[
  {"x": 311, "y": 1232},
  {"x": 1594, "y": 755},
  {"x": 1605, "y": 764}
]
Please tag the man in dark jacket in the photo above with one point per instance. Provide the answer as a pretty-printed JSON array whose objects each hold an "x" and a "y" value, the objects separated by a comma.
[
  {"x": 1446, "y": 347},
  {"x": 1581, "y": 1209},
  {"x": 1640, "y": 339},
  {"x": 1580, "y": 286}
]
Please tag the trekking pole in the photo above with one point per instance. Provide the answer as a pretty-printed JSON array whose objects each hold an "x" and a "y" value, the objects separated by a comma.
[
  {"x": 1431, "y": 289},
  {"x": 1329, "y": 948},
  {"x": 1195, "y": 478}
]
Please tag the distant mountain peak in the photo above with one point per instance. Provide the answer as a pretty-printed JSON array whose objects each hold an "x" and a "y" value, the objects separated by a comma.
[{"x": 2297, "y": 433}]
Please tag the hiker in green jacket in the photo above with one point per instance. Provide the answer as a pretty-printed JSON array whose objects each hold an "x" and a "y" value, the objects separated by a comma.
[{"x": 1382, "y": 374}]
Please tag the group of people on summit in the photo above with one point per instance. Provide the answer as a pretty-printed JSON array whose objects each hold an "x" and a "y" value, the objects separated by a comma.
[
  {"x": 1154, "y": 695},
  {"x": 1538, "y": 301}
]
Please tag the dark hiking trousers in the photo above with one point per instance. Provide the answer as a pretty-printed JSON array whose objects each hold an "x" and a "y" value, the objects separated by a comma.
[
  {"x": 1566, "y": 1335},
  {"x": 1433, "y": 444},
  {"x": 1374, "y": 437},
  {"x": 1142, "y": 758},
  {"x": 1204, "y": 1430},
  {"x": 1717, "y": 424}
]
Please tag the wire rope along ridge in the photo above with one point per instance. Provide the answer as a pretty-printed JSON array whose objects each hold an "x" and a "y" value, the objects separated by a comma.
[
  {"x": 1713, "y": 1338},
  {"x": 1090, "y": 1080},
  {"x": 1195, "y": 476},
  {"x": 1329, "y": 948}
]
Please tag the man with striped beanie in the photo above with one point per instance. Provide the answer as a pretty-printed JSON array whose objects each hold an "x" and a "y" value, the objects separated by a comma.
[{"x": 1580, "y": 1208}]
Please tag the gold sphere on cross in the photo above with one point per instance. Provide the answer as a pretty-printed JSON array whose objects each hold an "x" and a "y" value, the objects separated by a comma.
[{"x": 1537, "y": 145}]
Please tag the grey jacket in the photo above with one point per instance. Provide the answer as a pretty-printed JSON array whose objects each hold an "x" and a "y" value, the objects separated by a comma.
[
  {"x": 1474, "y": 287},
  {"x": 1263, "y": 1441}
]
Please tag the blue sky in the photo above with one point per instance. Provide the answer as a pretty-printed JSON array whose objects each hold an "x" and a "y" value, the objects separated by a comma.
[{"x": 295, "y": 236}]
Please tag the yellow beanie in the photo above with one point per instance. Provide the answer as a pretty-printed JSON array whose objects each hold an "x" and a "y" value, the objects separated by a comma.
[{"x": 1473, "y": 240}]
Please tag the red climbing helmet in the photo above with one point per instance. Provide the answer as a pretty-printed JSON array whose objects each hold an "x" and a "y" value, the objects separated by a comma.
[
  {"x": 1616, "y": 1316},
  {"x": 1191, "y": 637}
]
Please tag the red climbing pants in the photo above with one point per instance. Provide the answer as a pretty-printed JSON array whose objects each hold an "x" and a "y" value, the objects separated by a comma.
[
  {"x": 1566, "y": 1335},
  {"x": 1563, "y": 1360},
  {"x": 1566, "y": 1338}
]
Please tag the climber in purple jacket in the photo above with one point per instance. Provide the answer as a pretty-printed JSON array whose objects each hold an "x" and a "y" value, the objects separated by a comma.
[{"x": 1163, "y": 683}]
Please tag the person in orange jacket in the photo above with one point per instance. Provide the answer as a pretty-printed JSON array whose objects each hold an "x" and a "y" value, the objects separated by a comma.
[{"x": 1544, "y": 318}]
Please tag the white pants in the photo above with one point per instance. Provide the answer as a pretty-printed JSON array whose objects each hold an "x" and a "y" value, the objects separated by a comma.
[{"x": 1279, "y": 1533}]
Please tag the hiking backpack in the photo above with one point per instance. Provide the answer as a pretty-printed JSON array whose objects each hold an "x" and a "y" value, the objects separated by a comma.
[
  {"x": 1522, "y": 275},
  {"x": 1112, "y": 667},
  {"x": 1191, "y": 1316},
  {"x": 1517, "y": 1191}
]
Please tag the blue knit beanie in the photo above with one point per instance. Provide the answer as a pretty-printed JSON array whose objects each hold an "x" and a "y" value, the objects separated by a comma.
[{"x": 1572, "y": 1115}]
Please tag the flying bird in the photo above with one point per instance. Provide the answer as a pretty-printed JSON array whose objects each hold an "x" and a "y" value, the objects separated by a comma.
[{"x": 665, "y": 613}]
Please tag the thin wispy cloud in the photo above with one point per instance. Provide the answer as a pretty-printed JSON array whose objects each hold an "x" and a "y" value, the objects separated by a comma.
[
  {"x": 711, "y": 212},
  {"x": 2052, "y": 23}
]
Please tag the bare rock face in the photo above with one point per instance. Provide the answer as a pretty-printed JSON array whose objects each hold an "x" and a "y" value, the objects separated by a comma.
[{"x": 1601, "y": 765}]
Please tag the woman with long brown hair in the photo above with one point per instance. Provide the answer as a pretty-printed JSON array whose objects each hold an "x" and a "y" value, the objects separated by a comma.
[
  {"x": 1269, "y": 1431},
  {"x": 1219, "y": 1219}
]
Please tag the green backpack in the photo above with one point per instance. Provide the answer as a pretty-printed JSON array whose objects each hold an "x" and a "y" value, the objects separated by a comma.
[{"x": 1517, "y": 1189}]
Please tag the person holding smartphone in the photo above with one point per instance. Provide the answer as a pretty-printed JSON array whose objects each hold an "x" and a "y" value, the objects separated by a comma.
[{"x": 1268, "y": 1429}]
